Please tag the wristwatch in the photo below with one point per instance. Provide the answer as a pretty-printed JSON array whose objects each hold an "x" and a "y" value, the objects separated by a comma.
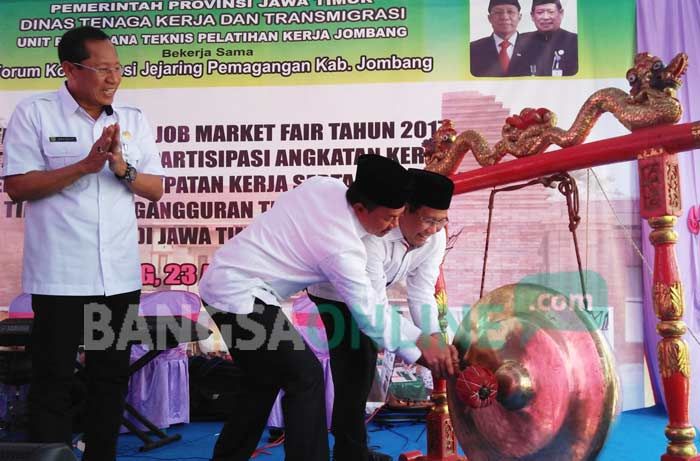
[{"x": 129, "y": 174}]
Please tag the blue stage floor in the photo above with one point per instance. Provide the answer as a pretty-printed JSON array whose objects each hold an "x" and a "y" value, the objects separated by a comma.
[{"x": 637, "y": 436}]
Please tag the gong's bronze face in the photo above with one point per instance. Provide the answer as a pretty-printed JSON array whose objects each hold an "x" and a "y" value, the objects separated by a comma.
[{"x": 557, "y": 390}]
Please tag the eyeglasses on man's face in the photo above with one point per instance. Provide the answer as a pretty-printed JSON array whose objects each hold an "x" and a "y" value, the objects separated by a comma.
[
  {"x": 432, "y": 222},
  {"x": 511, "y": 13},
  {"x": 103, "y": 71}
]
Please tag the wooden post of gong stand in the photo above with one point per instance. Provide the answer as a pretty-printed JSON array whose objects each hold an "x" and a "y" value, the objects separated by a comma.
[{"x": 442, "y": 445}]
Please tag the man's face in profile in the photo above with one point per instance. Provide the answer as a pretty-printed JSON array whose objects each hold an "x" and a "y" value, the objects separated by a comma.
[
  {"x": 504, "y": 19},
  {"x": 547, "y": 17}
]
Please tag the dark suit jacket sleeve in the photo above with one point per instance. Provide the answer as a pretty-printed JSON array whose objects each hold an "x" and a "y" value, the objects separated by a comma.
[
  {"x": 570, "y": 47},
  {"x": 483, "y": 58}
]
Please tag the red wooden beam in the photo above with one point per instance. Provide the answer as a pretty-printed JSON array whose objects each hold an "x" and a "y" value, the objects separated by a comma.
[{"x": 674, "y": 138}]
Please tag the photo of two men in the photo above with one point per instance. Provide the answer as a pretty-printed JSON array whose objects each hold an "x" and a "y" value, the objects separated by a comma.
[{"x": 511, "y": 50}]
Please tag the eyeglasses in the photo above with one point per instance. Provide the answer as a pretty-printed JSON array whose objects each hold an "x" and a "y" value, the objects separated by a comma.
[
  {"x": 501, "y": 13},
  {"x": 432, "y": 222},
  {"x": 103, "y": 71}
]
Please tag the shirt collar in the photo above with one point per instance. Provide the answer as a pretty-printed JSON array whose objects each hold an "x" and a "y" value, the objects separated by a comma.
[
  {"x": 361, "y": 231},
  {"x": 513, "y": 38},
  {"x": 394, "y": 234},
  {"x": 546, "y": 36},
  {"x": 68, "y": 104}
]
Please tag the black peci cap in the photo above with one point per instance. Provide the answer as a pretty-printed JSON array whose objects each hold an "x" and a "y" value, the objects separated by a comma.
[
  {"x": 383, "y": 181},
  {"x": 493, "y": 3},
  {"x": 431, "y": 189}
]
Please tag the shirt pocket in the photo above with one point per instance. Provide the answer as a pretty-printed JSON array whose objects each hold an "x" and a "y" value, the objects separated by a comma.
[{"x": 59, "y": 155}]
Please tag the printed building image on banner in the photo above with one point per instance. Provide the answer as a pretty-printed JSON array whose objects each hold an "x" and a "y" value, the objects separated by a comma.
[{"x": 247, "y": 99}]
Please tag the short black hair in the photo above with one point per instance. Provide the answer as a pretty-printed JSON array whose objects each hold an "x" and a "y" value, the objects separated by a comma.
[
  {"x": 71, "y": 48},
  {"x": 537, "y": 3},
  {"x": 353, "y": 196},
  {"x": 493, "y": 3}
]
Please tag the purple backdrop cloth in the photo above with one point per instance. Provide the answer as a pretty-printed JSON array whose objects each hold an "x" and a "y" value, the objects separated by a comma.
[
  {"x": 160, "y": 390},
  {"x": 173, "y": 302},
  {"x": 664, "y": 29},
  {"x": 307, "y": 321}
]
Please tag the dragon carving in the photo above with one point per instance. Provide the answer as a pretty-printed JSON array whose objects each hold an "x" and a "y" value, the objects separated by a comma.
[{"x": 651, "y": 101}]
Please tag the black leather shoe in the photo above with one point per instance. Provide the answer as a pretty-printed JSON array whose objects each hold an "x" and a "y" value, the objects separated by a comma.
[{"x": 376, "y": 456}]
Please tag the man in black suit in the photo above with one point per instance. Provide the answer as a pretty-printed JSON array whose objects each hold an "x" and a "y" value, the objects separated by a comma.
[
  {"x": 552, "y": 51},
  {"x": 501, "y": 53}
]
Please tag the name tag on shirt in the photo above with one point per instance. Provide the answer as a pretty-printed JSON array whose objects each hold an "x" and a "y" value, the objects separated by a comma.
[{"x": 63, "y": 139}]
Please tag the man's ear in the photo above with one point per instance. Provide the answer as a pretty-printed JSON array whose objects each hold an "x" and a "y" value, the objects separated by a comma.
[
  {"x": 68, "y": 68},
  {"x": 359, "y": 208}
]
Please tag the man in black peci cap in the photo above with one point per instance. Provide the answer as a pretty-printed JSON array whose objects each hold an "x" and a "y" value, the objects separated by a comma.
[
  {"x": 501, "y": 53},
  {"x": 312, "y": 234},
  {"x": 413, "y": 252},
  {"x": 551, "y": 50}
]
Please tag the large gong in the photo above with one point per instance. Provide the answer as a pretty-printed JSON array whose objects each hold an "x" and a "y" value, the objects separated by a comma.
[{"x": 557, "y": 391}]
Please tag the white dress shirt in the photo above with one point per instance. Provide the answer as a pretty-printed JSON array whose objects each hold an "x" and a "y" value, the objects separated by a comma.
[
  {"x": 389, "y": 261},
  {"x": 83, "y": 240},
  {"x": 311, "y": 235}
]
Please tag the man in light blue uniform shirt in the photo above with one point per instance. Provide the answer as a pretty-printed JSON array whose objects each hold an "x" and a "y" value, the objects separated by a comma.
[{"x": 78, "y": 159}]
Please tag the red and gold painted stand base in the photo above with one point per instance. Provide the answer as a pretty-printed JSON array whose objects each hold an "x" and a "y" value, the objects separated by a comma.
[
  {"x": 660, "y": 203},
  {"x": 441, "y": 437}
]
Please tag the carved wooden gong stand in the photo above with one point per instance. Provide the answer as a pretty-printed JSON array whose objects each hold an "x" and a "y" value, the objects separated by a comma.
[{"x": 656, "y": 150}]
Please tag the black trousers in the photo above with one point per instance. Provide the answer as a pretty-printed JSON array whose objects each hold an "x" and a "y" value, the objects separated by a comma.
[
  {"x": 272, "y": 356},
  {"x": 57, "y": 332},
  {"x": 353, "y": 364}
]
